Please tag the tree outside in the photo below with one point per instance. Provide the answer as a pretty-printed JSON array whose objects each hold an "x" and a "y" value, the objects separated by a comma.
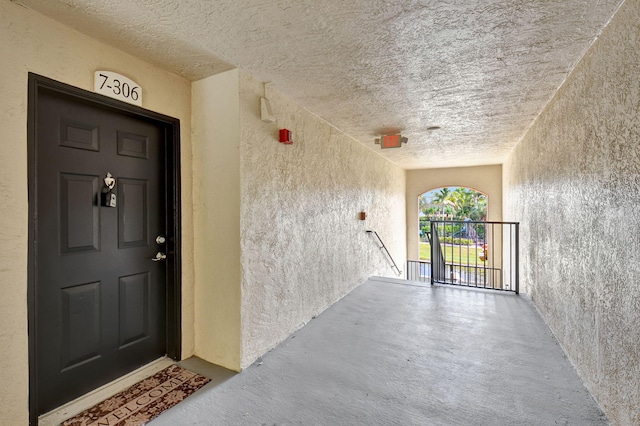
[{"x": 451, "y": 203}]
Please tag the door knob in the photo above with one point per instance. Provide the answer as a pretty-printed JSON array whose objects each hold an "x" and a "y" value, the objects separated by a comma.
[
  {"x": 159, "y": 256},
  {"x": 160, "y": 239}
]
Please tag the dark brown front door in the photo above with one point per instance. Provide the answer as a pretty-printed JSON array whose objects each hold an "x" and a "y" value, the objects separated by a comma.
[{"x": 100, "y": 296}]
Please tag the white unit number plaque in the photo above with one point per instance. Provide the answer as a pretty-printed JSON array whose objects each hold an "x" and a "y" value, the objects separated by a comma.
[{"x": 117, "y": 86}]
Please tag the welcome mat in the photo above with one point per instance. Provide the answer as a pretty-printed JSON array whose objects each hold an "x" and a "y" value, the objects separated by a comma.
[{"x": 143, "y": 401}]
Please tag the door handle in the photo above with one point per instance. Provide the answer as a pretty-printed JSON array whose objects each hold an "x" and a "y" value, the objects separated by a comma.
[{"x": 159, "y": 256}]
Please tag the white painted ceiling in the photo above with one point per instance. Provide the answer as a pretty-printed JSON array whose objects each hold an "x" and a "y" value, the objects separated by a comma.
[{"x": 481, "y": 70}]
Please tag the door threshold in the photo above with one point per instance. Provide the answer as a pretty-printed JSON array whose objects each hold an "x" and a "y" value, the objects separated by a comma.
[{"x": 70, "y": 409}]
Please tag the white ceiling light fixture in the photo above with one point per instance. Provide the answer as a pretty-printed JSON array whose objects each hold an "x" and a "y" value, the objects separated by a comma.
[
  {"x": 266, "y": 114},
  {"x": 265, "y": 111}
]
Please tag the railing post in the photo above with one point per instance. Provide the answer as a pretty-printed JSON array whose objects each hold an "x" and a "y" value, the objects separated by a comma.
[
  {"x": 432, "y": 249},
  {"x": 517, "y": 265}
]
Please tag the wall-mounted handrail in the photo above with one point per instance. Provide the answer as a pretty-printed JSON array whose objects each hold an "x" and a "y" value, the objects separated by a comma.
[{"x": 384, "y": 248}]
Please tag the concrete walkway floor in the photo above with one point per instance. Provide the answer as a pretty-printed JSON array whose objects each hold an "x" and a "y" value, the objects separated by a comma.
[{"x": 392, "y": 353}]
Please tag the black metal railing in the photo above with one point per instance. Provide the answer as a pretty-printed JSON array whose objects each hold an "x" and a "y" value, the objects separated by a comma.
[
  {"x": 472, "y": 254},
  {"x": 384, "y": 249}
]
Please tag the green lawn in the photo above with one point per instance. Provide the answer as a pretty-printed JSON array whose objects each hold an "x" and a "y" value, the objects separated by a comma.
[{"x": 465, "y": 255}]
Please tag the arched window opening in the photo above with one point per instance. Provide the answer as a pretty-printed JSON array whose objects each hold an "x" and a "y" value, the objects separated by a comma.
[{"x": 451, "y": 203}]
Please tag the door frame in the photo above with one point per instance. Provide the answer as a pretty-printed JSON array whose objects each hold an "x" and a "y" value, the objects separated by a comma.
[{"x": 172, "y": 182}]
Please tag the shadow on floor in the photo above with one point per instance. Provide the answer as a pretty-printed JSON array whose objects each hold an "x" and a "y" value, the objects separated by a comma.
[
  {"x": 393, "y": 353},
  {"x": 217, "y": 374}
]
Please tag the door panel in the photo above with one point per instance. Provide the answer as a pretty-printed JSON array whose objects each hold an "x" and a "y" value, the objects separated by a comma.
[
  {"x": 74, "y": 134},
  {"x": 100, "y": 300},
  {"x": 79, "y": 213},
  {"x": 133, "y": 308},
  {"x": 80, "y": 324},
  {"x": 132, "y": 145},
  {"x": 132, "y": 213}
]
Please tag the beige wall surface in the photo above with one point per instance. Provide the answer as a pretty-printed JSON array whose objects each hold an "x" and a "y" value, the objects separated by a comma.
[
  {"x": 216, "y": 195},
  {"x": 303, "y": 246},
  {"x": 486, "y": 179},
  {"x": 574, "y": 181},
  {"x": 30, "y": 42},
  {"x": 278, "y": 237}
]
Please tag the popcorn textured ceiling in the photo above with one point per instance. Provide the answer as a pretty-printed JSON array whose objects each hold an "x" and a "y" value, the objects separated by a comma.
[{"x": 480, "y": 70}]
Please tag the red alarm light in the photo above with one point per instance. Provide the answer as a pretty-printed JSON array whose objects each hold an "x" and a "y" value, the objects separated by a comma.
[{"x": 285, "y": 136}]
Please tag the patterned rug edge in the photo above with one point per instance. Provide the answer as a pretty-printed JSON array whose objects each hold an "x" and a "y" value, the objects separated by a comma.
[{"x": 142, "y": 402}]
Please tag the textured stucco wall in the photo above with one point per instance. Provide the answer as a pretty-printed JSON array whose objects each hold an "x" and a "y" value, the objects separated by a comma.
[
  {"x": 216, "y": 195},
  {"x": 303, "y": 246},
  {"x": 574, "y": 183},
  {"x": 486, "y": 179},
  {"x": 31, "y": 42}
]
